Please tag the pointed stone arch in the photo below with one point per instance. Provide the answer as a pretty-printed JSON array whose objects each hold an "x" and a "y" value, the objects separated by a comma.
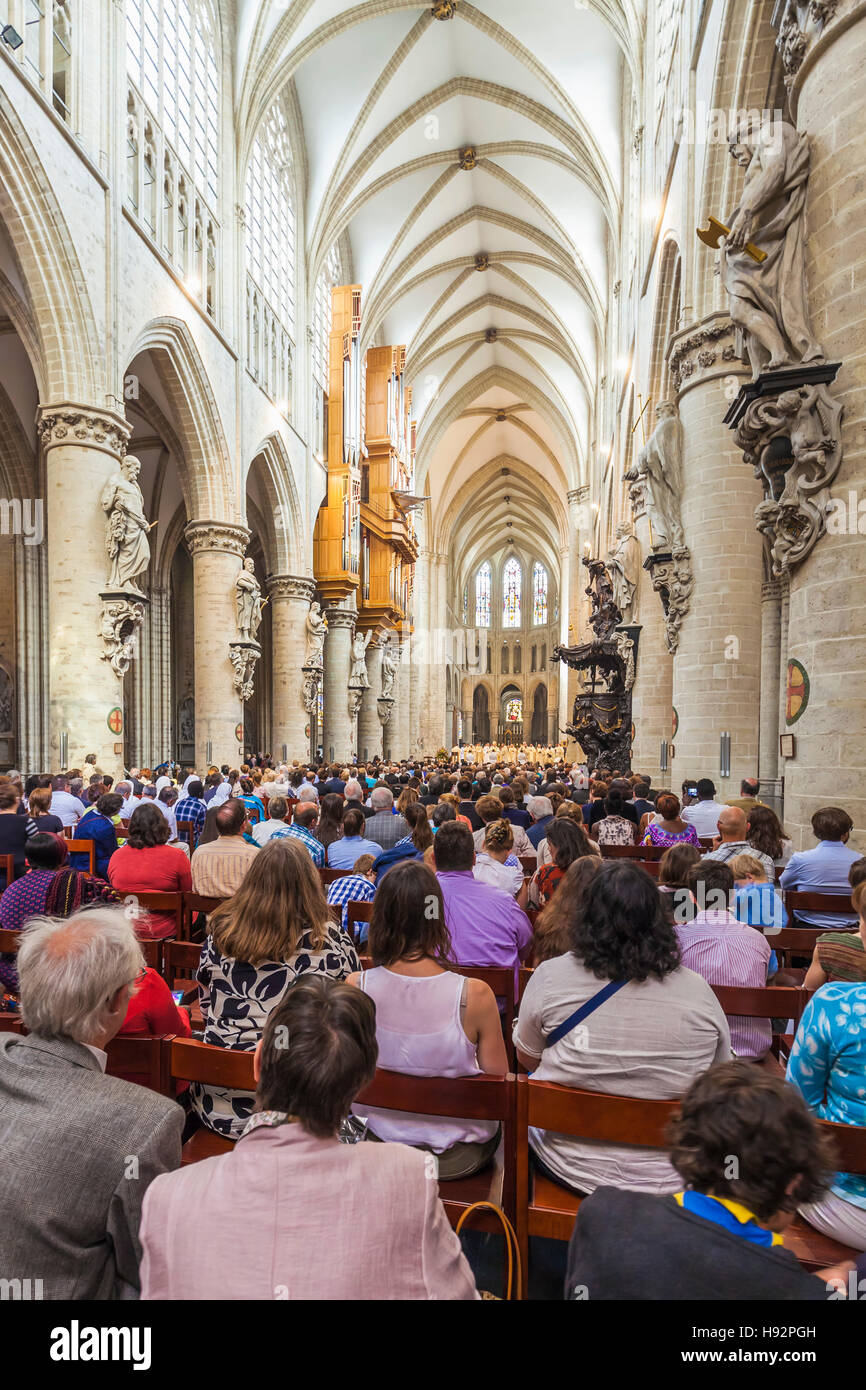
[
  {"x": 284, "y": 530},
  {"x": 205, "y": 473},
  {"x": 62, "y": 341}
]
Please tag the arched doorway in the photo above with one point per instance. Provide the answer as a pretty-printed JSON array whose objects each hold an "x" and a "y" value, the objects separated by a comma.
[
  {"x": 538, "y": 728},
  {"x": 480, "y": 715}
]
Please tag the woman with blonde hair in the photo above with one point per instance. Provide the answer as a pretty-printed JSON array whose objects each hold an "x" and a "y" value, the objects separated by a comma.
[
  {"x": 276, "y": 927},
  {"x": 407, "y": 797},
  {"x": 495, "y": 864}
]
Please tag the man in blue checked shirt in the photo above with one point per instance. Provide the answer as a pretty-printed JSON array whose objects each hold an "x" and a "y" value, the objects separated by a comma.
[
  {"x": 357, "y": 887},
  {"x": 302, "y": 827},
  {"x": 192, "y": 808}
]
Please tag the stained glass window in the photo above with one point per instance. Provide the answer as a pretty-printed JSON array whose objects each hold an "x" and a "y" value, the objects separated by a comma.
[
  {"x": 539, "y": 594},
  {"x": 511, "y": 594},
  {"x": 482, "y": 596}
]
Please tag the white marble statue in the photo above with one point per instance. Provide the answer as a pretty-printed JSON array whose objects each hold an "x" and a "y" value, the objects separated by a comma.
[
  {"x": 622, "y": 564},
  {"x": 358, "y": 674},
  {"x": 126, "y": 542},
  {"x": 767, "y": 301},
  {"x": 389, "y": 672},
  {"x": 316, "y": 629},
  {"x": 659, "y": 471},
  {"x": 249, "y": 601}
]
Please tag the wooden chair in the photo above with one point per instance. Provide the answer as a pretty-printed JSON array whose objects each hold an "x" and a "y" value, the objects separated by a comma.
[
  {"x": 139, "y": 1058},
  {"x": 464, "y": 1097},
  {"x": 785, "y": 1002},
  {"x": 193, "y": 904},
  {"x": 181, "y": 961},
  {"x": 9, "y": 940},
  {"x": 357, "y": 912},
  {"x": 648, "y": 853},
  {"x": 814, "y": 1250},
  {"x": 543, "y": 1207},
  {"x": 798, "y": 941},
  {"x": 500, "y": 978},
  {"x": 10, "y": 1023},
  {"x": 163, "y": 902},
  {"x": 7, "y": 868},
  {"x": 187, "y": 828},
  {"x": 190, "y": 1060},
  {"x": 528, "y": 863},
  {"x": 329, "y": 876},
  {"x": 152, "y": 952},
  {"x": 87, "y": 847},
  {"x": 837, "y": 904}
]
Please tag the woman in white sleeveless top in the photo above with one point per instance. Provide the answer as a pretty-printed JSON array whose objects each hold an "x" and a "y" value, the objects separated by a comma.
[{"x": 430, "y": 1021}]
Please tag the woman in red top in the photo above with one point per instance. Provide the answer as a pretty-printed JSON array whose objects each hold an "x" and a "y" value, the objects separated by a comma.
[
  {"x": 152, "y": 1013},
  {"x": 147, "y": 864}
]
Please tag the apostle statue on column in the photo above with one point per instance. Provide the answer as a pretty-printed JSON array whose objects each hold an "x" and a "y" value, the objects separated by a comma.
[
  {"x": 767, "y": 300},
  {"x": 126, "y": 542},
  {"x": 658, "y": 472},
  {"x": 249, "y": 601},
  {"x": 622, "y": 564},
  {"x": 389, "y": 672},
  {"x": 358, "y": 674},
  {"x": 316, "y": 629}
]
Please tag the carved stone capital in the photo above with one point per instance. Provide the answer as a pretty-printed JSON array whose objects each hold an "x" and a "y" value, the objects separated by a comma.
[
  {"x": 122, "y": 616},
  {"x": 340, "y": 617},
  {"x": 771, "y": 591},
  {"x": 290, "y": 586},
  {"x": 243, "y": 657},
  {"x": 68, "y": 424},
  {"x": 703, "y": 352},
  {"x": 799, "y": 23},
  {"x": 672, "y": 579},
  {"x": 222, "y": 536}
]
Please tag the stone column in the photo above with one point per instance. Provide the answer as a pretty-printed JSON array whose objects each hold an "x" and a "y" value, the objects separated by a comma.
[
  {"x": 338, "y": 732},
  {"x": 369, "y": 723},
  {"x": 82, "y": 447},
  {"x": 652, "y": 694},
  {"x": 718, "y": 659},
  {"x": 217, "y": 549},
  {"x": 290, "y": 596},
  {"x": 571, "y": 601},
  {"x": 397, "y": 735},
  {"x": 771, "y": 658},
  {"x": 827, "y": 630}
]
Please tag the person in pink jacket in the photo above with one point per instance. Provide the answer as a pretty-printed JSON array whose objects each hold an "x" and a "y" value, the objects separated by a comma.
[{"x": 291, "y": 1212}]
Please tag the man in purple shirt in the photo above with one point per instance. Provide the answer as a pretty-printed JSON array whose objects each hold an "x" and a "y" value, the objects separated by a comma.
[
  {"x": 723, "y": 949},
  {"x": 486, "y": 925}
]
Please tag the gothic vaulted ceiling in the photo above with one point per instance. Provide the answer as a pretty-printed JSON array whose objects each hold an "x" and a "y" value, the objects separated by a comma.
[{"x": 468, "y": 157}]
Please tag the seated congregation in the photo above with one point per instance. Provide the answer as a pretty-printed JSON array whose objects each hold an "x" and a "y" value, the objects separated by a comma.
[{"x": 348, "y": 1004}]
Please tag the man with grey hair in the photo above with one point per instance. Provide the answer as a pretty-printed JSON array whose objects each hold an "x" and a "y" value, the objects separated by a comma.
[
  {"x": 355, "y": 798},
  {"x": 384, "y": 826},
  {"x": 541, "y": 810},
  {"x": 278, "y": 809},
  {"x": 79, "y": 1147}
]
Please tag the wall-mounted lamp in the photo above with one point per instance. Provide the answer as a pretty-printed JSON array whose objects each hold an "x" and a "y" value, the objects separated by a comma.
[
  {"x": 10, "y": 36},
  {"x": 725, "y": 755}
]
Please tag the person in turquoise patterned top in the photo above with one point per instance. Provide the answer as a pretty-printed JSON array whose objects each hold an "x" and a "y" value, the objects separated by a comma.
[{"x": 828, "y": 1067}]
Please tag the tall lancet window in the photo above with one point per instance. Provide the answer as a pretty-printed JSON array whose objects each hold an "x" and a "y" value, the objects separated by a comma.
[
  {"x": 539, "y": 594},
  {"x": 511, "y": 594},
  {"x": 482, "y": 596}
]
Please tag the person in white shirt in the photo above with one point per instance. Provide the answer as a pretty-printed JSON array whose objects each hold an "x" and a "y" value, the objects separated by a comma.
[
  {"x": 704, "y": 814},
  {"x": 130, "y": 802},
  {"x": 277, "y": 810},
  {"x": 67, "y": 807},
  {"x": 492, "y": 862}
]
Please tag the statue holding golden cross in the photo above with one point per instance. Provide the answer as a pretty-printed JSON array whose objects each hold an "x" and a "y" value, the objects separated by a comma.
[{"x": 712, "y": 234}]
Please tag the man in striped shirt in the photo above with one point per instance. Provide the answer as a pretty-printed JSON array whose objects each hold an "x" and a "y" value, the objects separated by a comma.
[
  {"x": 219, "y": 868},
  {"x": 724, "y": 950}
]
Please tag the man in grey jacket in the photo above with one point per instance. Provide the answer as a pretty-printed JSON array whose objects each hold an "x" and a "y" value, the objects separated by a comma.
[{"x": 79, "y": 1147}]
